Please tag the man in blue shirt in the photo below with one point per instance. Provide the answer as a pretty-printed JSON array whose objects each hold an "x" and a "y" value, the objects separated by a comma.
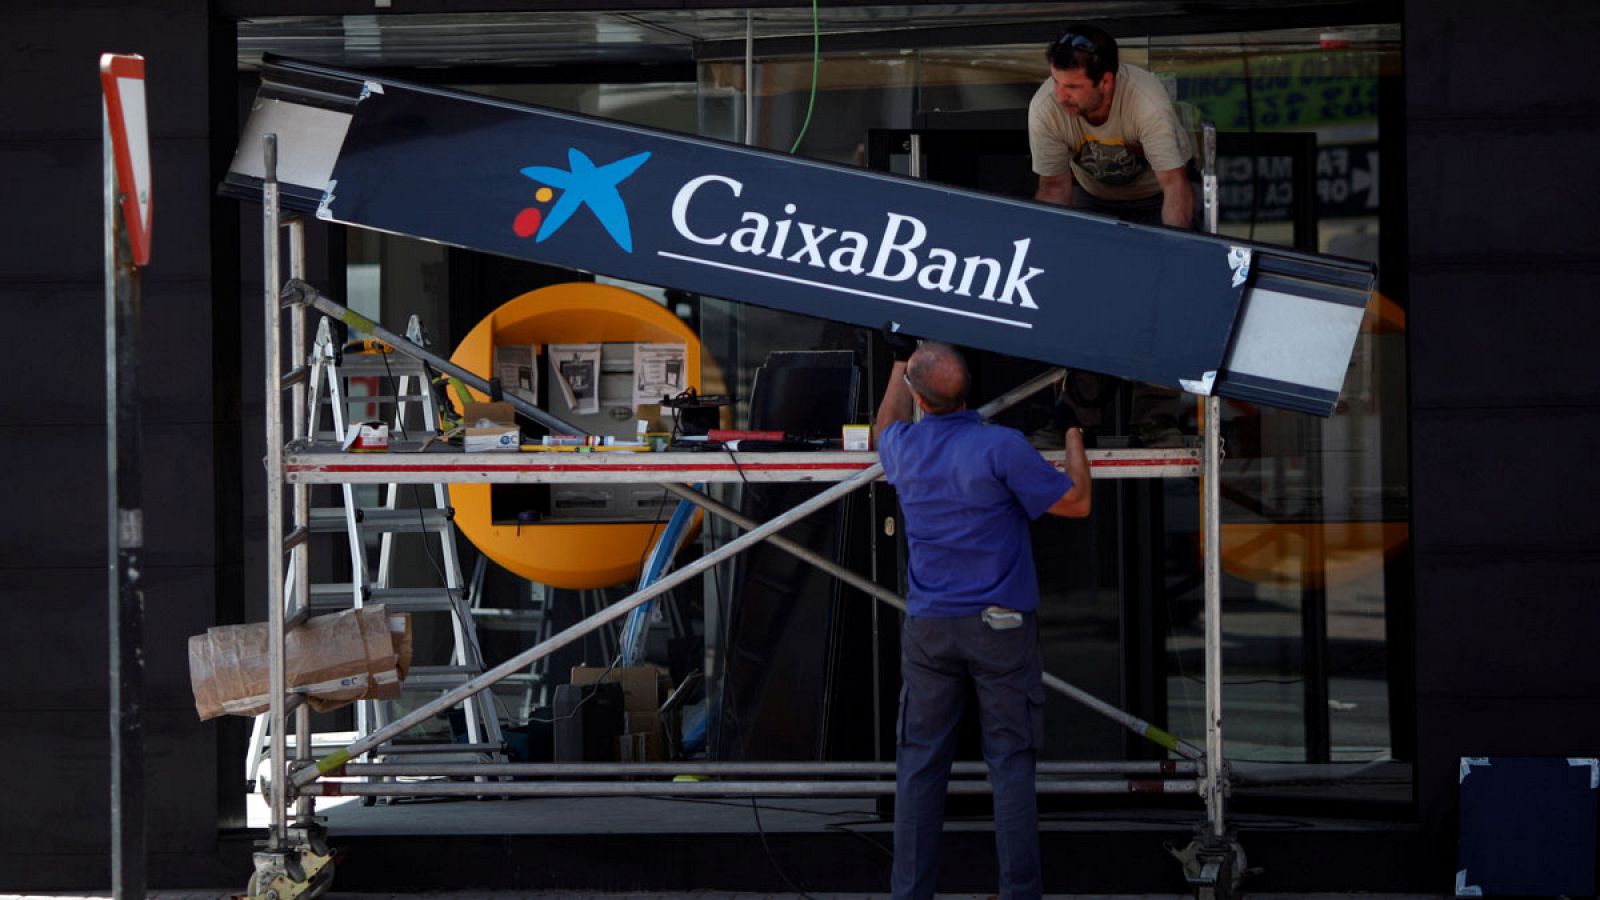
[{"x": 968, "y": 489}]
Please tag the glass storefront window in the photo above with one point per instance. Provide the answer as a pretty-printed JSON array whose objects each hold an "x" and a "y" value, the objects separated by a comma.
[{"x": 1315, "y": 511}]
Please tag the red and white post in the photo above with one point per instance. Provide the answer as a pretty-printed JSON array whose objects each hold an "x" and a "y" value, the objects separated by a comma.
[{"x": 127, "y": 241}]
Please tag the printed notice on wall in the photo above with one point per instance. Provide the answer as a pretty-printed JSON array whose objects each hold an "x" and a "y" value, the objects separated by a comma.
[
  {"x": 658, "y": 370},
  {"x": 575, "y": 371},
  {"x": 515, "y": 366}
]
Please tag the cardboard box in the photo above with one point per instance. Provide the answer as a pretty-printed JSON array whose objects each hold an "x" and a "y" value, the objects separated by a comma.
[
  {"x": 644, "y": 688},
  {"x": 641, "y": 722},
  {"x": 491, "y": 426},
  {"x": 856, "y": 437},
  {"x": 366, "y": 437},
  {"x": 334, "y": 660}
]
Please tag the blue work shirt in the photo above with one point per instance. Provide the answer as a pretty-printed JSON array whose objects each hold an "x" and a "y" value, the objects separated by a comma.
[{"x": 968, "y": 489}]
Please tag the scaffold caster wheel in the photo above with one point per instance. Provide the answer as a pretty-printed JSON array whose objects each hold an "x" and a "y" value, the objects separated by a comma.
[
  {"x": 303, "y": 871},
  {"x": 1213, "y": 865}
]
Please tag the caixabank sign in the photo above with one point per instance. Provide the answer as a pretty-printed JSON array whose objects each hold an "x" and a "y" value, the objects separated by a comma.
[{"x": 722, "y": 220}]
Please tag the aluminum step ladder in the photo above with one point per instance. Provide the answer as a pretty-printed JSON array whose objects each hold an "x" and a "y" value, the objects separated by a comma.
[
  {"x": 364, "y": 385},
  {"x": 531, "y": 689}
]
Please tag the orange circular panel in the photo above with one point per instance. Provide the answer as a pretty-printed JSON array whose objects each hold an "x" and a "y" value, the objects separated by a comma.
[
  {"x": 1384, "y": 316},
  {"x": 567, "y": 555},
  {"x": 1316, "y": 555}
]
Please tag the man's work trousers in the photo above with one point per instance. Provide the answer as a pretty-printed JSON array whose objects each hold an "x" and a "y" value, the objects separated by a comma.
[{"x": 938, "y": 657}]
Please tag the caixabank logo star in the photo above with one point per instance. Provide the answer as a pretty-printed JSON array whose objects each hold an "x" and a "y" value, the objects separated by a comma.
[{"x": 581, "y": 184}]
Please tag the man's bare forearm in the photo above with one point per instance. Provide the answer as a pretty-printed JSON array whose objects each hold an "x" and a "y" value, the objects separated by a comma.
[
  {"x": 1054, "y": 189},
  {"x": 896, "y": 405},
  {"x": 1177, "y": 213},
  {"x": 1075, "y": 503},
  {"x": 1177, "y": 199},
  {"x": 1077, "y": 459}
]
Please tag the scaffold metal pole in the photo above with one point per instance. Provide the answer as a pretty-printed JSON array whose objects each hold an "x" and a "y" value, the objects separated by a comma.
[
  {"x": 305, "y": 807},
  {"x": 1215, "y": 783},
  {"x": 722, "y": 788},
  {"x": 729, "y": 769},
  {"x": 277, "y": 680},
  {"x": 1215, "y": 780}
]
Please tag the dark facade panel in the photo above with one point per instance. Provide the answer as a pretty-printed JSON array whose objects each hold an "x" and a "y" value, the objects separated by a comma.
[
  {"x": 180, "y": 789},
  {"x": 1487, "y": 610},
  {"x": 1498, "y": 189},
  {"x": 57, "y": 804},
  {"x": 61, "y": 665},
  {"x": 63, "y": 240},
  {"x": 74, "y": 313},
  {"x": 175, "y": 342},
  {"x": 56, "y": 56},
  {"x": 1459, "y": 56},
  {"x": 1502, "y": 424},
  {"x": 60, "y": 804},
  {"x": 66, "y": 529},
  {"x": 179, "y": 529},
  {"x": 1504, "y": 480},
  {"x": 64, "y": 522},
  {"x": 175, "y": 374},
  {"x": 179, "y": 602},
  {"x": 1535, "y": 331}
]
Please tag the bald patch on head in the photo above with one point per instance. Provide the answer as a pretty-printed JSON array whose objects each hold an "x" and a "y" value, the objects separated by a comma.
[{"x": 939, "y": 376}]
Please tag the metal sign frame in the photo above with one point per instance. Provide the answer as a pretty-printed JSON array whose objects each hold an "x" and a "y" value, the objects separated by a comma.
[{"x": 122, "y": 80}]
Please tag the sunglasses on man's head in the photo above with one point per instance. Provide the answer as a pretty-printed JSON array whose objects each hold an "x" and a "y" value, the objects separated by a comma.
[{"x": 1078, "y": 42}]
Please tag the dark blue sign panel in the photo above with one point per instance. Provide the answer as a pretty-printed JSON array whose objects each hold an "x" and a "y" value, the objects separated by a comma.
[{"x": 823, "y": 240}]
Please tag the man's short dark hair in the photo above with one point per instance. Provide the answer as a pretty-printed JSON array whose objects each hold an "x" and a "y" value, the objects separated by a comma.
[{"x": 1084, "y": 47}]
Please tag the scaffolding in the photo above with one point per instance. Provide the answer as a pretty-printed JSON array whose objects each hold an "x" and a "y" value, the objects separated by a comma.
[
  {"x": 1213, "y": 862},
  {"x": 296, "y": 462}
]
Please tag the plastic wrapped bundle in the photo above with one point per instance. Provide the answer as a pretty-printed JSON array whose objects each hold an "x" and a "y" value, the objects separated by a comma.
[{"x": 358, "y": 654}]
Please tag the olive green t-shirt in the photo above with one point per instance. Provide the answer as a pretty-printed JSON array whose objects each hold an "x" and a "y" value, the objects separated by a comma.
[{"x": 1117, "y": 160}]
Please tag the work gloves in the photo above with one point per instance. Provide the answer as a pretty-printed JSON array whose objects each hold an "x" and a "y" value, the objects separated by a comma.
[{"x": 902, "y": 345}]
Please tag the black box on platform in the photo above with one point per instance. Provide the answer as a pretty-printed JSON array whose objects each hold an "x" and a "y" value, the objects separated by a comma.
[
  {"x": 1527, "y": 826},
  {"x": 588, "y": 720}
]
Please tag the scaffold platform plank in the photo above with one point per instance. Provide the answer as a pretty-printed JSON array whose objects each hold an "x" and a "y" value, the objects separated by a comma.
[{"x": 326, "y": 464}]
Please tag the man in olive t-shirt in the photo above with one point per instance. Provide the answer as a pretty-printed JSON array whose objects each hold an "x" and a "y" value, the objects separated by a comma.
[
  {"x": 1105, "y": 136},
  {"x": 1106, "y": 139}
]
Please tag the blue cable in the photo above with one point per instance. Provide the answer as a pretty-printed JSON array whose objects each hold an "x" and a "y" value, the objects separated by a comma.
[{"x": 666, "y": 546}]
